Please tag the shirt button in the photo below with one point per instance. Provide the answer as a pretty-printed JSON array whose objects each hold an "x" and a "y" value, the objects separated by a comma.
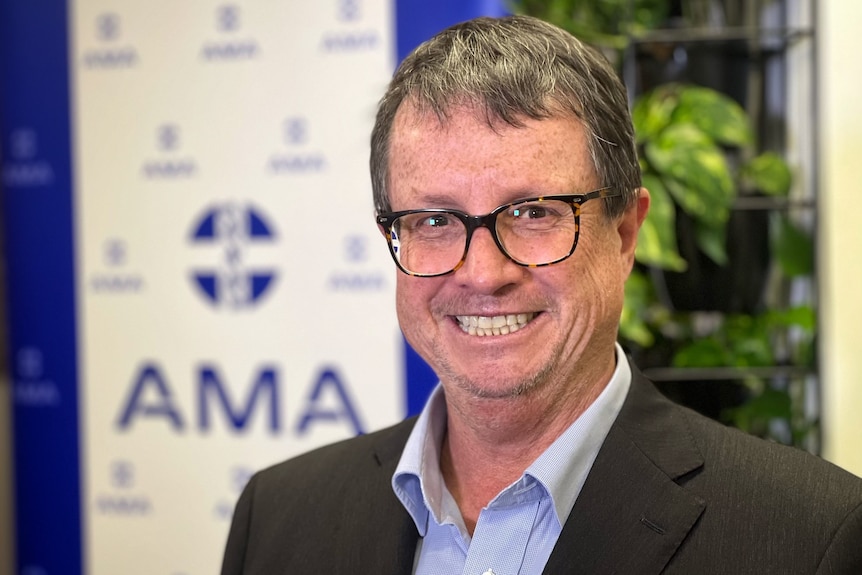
[{"x": 488, "y": 572}]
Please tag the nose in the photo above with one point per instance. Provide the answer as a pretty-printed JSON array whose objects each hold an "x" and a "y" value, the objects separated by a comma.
[{"x": 486, "y": 269}]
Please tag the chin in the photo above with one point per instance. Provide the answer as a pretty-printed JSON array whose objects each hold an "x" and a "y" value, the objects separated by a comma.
[{"x": 500, "y": 387}]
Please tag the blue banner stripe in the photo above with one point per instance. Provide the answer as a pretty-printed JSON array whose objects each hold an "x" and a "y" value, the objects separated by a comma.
[{"x": 37, "y": 214}]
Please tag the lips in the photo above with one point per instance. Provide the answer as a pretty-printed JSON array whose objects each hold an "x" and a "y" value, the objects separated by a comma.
[{"x": 493, "y": 325}]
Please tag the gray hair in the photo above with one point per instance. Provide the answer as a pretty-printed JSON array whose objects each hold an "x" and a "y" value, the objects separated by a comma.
[{"x": 514, "y": 68}]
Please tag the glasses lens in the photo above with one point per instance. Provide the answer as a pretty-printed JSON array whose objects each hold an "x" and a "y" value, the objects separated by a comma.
[
  {"x": 538, "y": 232},
  {"x": 428, "y": 242}
]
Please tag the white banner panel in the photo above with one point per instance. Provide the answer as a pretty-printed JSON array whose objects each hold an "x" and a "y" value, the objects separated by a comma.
[{"x": 235, "y": 299}]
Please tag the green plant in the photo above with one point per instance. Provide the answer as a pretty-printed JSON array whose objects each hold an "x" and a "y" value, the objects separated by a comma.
[
  {"x": 605, "y": 23},
  {"x": 699, "y": 156},
  {"x": 689, "y": 137}
]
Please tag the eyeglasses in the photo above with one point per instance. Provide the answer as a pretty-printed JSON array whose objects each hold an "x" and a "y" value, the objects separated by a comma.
[{"x": 532, "y": 232}]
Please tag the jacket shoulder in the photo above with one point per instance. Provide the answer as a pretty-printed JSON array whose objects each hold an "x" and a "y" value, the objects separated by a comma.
[
  {"x": 788, "y": 472},
  {"x": 775, "y": 505},
  {"x": 292, "y": 515}
]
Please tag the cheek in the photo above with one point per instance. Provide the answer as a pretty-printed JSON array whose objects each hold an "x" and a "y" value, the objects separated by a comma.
[
  {"x": 603, "y": 253},
  {"x": 599, "y": 280},
  {"x": 403, "y": 296},
  {"x": 411, "y": 303}
]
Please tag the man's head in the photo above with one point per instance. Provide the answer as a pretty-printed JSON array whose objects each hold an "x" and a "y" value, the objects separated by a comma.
[
  {"x": 488, "y": 114},
  {"x": 514, "y": 68}
]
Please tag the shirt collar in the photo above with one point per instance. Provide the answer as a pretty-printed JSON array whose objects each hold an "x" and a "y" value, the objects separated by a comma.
[
  {"x": 561, "y": 469},
  {"x": 417, "y": 480}
]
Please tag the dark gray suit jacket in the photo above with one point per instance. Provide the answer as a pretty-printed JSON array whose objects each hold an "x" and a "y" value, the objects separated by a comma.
[{"x": 670, "y": 492}]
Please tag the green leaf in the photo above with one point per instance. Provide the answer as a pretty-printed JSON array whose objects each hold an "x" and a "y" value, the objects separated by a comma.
[
  {"x": 767, "y": 173},
  {"x": 638, "y": 295},
  {"x": 597, "y": 21},
  {"x": 695, "y": 172},
  {"x": 759, "y": 410},
  {"x": 792, "y": 246},
  {"x": 715, "y": 114},
  {"x": 708, "y": 211},
  {"x": 748, "y": 340},
  {"x": 800, "y": 316},
  {"x": 657, "y": 237},
  {"x": 651, "y": 113},
  {"x": 752, "y": 351},
  {"x": 706, "y": 352}
]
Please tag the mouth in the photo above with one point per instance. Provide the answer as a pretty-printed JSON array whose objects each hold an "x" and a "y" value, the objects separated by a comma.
[{"x": 494, "y": 325}]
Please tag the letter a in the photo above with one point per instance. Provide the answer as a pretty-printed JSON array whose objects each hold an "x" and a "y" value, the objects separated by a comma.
[
  {"x": 314, "y": 411},
  {"x": 150, "y": 378}
]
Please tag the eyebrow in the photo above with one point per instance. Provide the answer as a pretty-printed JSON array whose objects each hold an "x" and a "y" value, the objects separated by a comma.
[
  {"x": 448, "y": 201},
  {"x": 436, "y": 200}
]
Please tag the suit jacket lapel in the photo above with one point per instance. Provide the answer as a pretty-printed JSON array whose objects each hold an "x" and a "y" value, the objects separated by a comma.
[
  {"x": 389, "y": 547},
  {"x": 631, "y": 515}
]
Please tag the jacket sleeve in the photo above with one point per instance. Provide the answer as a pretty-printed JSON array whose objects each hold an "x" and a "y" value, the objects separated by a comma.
[{"x": 237, "y": 540}]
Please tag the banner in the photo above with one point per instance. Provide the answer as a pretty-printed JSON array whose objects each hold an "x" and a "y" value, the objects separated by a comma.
[{"x": 197, "y": 288}]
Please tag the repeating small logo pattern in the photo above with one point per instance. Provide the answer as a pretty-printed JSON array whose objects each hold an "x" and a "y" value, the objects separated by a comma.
[
  {"x": 24, "y": 168},
  {"x": 295, "y": 131},
  {"x": 108, "y": 27},
  {"x": 22, "y": 144},
  {"x": 349, "y": 10},
  {"x": 228, "y": 18},
  {"x": 108, "y": 52}
]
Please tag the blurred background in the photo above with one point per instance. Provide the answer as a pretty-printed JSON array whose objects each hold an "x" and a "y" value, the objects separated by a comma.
[{"x": 194, "y": 287}]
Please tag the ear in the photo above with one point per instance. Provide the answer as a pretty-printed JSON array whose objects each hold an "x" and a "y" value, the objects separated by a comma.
[{"x": 628, "y": 226}]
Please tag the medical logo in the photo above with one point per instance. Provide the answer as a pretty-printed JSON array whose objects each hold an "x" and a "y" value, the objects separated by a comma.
[
  {"x": 354, "y": 248},
  {"x": 107, "y": 27},
  {"x": 295, "y": 131},
  {"x": 32, "y": 389},
  {"x": 29, "y": 363},
  {"x": 168, "y": 137},
  {"x": 114, "y": 252},
  {"x": 169, "y": 165},
  {"x": 357, "y": 275},
  {"x": 106, "y": 55},
  {"x": 349, "y": 10},
  {"x": 115, "y": 276},
  {"x": 122, "y": 474},
  {"x": 120, "y": 499},
  {"x": 227, "y": 18},
  {"x": 350, "y": 36},
  {"x": 229, "y": 48},
  {"x": 23, "y": 168},
  {"x": 233, "y": 231},
  {"x": 299, "y": 158},
  {"x": 22, "y": 144}
]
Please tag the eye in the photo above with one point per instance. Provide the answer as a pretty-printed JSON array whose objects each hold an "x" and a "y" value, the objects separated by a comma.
[
  {"x": 435, "y": 221},
  {"x": 530, "y": 212},
  {"x": 430, "y": 225}
]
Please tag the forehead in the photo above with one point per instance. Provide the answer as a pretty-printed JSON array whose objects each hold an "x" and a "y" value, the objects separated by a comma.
[{"x": 465, "y": 154}]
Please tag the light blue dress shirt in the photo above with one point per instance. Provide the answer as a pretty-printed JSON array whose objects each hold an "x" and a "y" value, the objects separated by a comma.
[{"x": 518, "y": 529}]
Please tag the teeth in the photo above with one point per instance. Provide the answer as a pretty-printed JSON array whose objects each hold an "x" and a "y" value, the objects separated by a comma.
[{"x": 495, "y": 325}]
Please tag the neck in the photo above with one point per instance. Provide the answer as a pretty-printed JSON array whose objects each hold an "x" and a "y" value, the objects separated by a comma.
[{"x": 489, "y": 443}]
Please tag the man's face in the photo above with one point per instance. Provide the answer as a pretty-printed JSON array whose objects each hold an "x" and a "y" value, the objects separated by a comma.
[{"x": 569, "y": 311}]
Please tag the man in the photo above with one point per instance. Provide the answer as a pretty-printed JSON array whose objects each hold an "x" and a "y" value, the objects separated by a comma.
[{"x": 507, "y": 185}]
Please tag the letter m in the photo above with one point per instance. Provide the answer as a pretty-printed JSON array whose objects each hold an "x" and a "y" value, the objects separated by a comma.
[{"x": 213, "y": 394}]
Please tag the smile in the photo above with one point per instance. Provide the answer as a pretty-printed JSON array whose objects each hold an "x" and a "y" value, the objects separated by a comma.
[{"x": 496, "y": 325}]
